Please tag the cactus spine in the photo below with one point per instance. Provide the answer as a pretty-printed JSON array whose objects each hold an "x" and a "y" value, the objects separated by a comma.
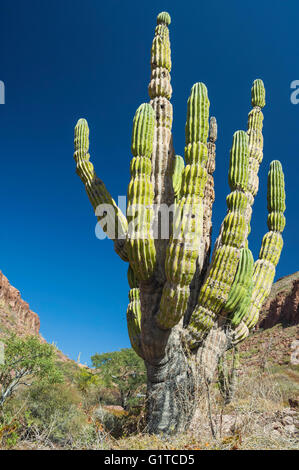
[{"x": 185, "y": 310}]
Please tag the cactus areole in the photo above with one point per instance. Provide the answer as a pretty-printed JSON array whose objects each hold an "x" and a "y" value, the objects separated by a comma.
[{"x": 187, "y": 306}]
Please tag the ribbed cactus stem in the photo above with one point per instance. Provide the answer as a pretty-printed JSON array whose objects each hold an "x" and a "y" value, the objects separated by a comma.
[
  {"x": 160, "y": 92},
  {"x": 241, "y": 289},
  {"x": 258, "y": 94},
  {"x": 140, "y": 241},
  {"x": 112, "y": 221},
  {"x": 134, "y": 320},
  {"x": 255, "y": 144},
  {"x": 209, "y": 194},
  {"x": 177, "y": 175},
  {"x": 215, "y": 290},
  {"x": 264, "y": 267},
  {"x": 186, "y": 241}
]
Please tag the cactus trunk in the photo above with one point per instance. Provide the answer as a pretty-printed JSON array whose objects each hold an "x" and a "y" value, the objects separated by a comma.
[{"x": 170, "y": 391}]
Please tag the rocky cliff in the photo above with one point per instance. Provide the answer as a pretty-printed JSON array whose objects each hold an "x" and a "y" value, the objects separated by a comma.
[
  {"x": 282, "y": 305},
  {"x": 15, "y": 313},
  {"x": 276, "y": 337}
]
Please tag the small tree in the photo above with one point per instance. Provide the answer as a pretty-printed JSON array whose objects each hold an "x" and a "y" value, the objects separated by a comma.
[
  {"x": 86, "y": 379},
  {"x": 121, "y": 369},
  {"x": 26, "y": 360}
]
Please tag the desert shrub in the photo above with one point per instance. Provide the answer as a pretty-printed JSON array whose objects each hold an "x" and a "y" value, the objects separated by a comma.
[
  {"x": 120, "y": 423},
  {"x": 111, "y": 422},
  {"x": 56, "y": 411}
]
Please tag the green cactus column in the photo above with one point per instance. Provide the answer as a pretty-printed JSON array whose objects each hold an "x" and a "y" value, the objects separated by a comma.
[
  {"x": 134, "y": 313},
  {"x": 113, "y": 221},
  {"x": 140, "y": 241},
  {"x": 160, "y": 92},
  {"x": 209, "y": 194},
  {"x": 177, "y": 176},
  {"x": 186, "y": 241},
  {"x": 215, "y": 290},
  {"x": 255, "y": 143},
  {"x": 264, "y": 267}
]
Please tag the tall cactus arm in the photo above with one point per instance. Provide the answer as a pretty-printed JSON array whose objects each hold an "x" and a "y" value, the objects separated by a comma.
[
  {"x": 186, "y": 241},
  {"x": 112, "y": 220},
  {"x": 209, "y": 194},
  {"x": 134, "y": 313},
  {"x": 160, "y": 92},
  {"x": 215, "y": 290},
  {"x": 255, "y": 143},
  {"x": 203, "y": 259},
  {"x": 134, "y": 320},
  {"x": 241, "y": 289},
  {"x": 255, "y": 151},
  {"x": 140, "y": 240},
  {"x": 264, "y": 267}
]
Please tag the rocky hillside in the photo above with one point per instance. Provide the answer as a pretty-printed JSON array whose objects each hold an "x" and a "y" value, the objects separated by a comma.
[
  {"x": 15, "y": 313},
  {"x": 276, "y": 338},
  {"x": 282, "y": 305}
]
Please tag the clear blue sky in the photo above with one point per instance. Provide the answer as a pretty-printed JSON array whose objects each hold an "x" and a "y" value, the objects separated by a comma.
[{"x": 66, "y": 59}]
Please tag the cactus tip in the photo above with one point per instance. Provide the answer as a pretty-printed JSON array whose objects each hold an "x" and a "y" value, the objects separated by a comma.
[
  {"x": 164, "y": 18},
  {"x": 145, "y": 108},
  {"x": 82, "y": 122},
  {"x": 199, "y": 87},
  {"x": 275, "y": 165},
  {"x": 258, "y": 93}
]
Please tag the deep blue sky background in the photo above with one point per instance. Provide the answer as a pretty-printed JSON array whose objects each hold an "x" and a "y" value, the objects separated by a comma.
[{"x": 65, "y": 59}]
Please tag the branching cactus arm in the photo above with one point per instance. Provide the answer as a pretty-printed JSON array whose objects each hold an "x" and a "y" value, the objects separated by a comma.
[
  {"x": 215, "y": 290},
  {"x": 186, "y": 241},
  {"x": 140, "y": 241},
  {"x": 264, "y": 267},
  {"x": 255, "y": 144},
  {"x": 110, "y": 217},
  {"x": 134, "y": 313}
]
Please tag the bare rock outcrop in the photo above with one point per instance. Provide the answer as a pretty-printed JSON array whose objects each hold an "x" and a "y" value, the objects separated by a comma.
[
  {"x": 15, "y": 313},
  {"x": 282, "y": 305}
]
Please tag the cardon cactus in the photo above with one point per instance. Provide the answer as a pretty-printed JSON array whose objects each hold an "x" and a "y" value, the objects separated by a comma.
[{"x": 187, "y": 306}]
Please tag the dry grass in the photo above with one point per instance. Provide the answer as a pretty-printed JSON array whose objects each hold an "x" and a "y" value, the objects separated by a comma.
[{"x": 252, "y": 421}]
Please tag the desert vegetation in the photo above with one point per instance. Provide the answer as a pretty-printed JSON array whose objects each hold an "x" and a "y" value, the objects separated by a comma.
[{"x": 82, "y": 408}]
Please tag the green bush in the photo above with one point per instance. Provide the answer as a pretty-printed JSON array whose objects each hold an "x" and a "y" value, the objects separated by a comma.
[{"x": 56, "y": 411}]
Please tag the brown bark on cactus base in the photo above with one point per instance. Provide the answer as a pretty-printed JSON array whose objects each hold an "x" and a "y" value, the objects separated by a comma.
[
  {"x": 174, "y": 381},
  {"x": 170, "y": 394}
]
